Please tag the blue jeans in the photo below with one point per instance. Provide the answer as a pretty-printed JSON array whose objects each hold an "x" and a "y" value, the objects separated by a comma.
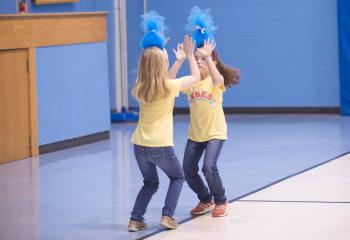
[
  {"x": 193, "y": 154},
  {"x": 147, "y": 159}
]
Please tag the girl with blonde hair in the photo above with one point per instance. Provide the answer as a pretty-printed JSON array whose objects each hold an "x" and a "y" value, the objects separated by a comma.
[{"x": 153, "y": 137}]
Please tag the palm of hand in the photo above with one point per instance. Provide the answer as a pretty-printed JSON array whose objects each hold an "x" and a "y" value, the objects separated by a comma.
[
  {"x": 205, "y": 51},
  {"x": 180, "y": 54}
]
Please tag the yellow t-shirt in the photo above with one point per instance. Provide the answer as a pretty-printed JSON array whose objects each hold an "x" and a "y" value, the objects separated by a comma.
[
  {"x": 155, "y": 125},
  {"x": 207, "y": 116}
]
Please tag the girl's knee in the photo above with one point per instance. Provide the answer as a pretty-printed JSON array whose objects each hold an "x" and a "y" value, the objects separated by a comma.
[
  {"x": 209, "y": 169},
  {"x": 179, "y": 178},
  {"x": 151, "y": 186}
]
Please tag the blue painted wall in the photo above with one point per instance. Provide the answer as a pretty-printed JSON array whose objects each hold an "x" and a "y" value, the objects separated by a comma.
[
  {"x": 73, "y": 81},
  {"x": 73, "y": 101},
  {"x": 8, "y": 7},
  {"x": 287, "y": 50}
]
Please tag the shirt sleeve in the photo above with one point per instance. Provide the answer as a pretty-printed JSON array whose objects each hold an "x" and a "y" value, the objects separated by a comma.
[
  {"x": 222, "y": 88},
  {"x": 175, "y": 86}
]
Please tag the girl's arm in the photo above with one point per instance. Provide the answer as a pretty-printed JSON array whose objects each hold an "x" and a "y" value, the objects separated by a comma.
[
  {"x": 180, "y": 56},
  {"x": 188, "y": 47},
  {"x": 206, "y": 50}
]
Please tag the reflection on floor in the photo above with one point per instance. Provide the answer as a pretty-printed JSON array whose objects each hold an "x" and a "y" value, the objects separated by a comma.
[{"x": 88, "y": 192}]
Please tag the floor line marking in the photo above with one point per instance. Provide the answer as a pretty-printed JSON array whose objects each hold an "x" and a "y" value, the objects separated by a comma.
[{"x": 291, "y": 201}]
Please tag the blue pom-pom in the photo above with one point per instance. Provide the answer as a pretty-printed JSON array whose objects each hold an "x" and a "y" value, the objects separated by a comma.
[
  {"x": 200, "y": 36},
  {"x": 201, "y": 23},
  {"x": 153, "y": 27},
  {"x": 152, "y": 39}
]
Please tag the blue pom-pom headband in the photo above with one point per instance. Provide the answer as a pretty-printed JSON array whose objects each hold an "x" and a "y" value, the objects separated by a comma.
[
  {"x": 201, "y": 23},
  {"x": 153, "y": 27}
]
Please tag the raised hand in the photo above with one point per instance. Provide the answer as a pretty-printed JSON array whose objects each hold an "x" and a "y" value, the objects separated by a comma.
[
  {"x": 207, "y": 49},
  {"x": 188, "y": 45},
  {"x": 180, "y": 54}
]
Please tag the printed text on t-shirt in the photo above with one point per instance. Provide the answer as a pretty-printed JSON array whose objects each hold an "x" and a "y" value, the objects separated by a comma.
[{"x": 202, "y": 95}]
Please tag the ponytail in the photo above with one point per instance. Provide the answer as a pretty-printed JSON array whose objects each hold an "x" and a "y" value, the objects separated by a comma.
[{"x": 231, "y": 75}]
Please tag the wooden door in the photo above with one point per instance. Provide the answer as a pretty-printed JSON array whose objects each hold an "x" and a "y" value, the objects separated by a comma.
[{"x": 14, "y": 105}]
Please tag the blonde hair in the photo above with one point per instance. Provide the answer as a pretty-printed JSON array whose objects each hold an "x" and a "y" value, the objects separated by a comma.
[{"x": 152, "y": 74}]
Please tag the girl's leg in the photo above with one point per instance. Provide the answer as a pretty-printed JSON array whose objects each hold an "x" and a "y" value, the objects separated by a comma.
[
  {"x": 193, "y": 153},
  {"x": 211, "y": 171},
  {"x": 150, "y": 183},
  {"x": 169, "y": 163}
]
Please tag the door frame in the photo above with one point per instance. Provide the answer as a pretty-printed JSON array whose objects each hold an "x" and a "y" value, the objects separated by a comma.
[{"x": 33, "y": 106}]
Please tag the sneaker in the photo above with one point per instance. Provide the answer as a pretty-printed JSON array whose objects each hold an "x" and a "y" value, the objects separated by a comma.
[
  {"x": 203, "y": 208},
  {"x": 135, "y": 226},
  {"x": 220, "y": 210},
  {"x": 168, "y": 222}
]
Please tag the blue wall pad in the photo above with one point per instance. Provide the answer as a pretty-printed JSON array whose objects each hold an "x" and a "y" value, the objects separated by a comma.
[
  {"x": 124, "y": 116},
  {"x": 344, "y": 55}
]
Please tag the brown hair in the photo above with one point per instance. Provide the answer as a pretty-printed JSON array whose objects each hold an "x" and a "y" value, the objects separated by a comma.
[
  {"x": 152, "y": 74},
  {"x": 231, "y": 75}
]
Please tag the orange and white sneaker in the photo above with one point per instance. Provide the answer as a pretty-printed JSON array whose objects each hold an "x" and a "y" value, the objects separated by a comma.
[
  {"x": 220, "y": 210},
  {"x": 203, "y": 208}
]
